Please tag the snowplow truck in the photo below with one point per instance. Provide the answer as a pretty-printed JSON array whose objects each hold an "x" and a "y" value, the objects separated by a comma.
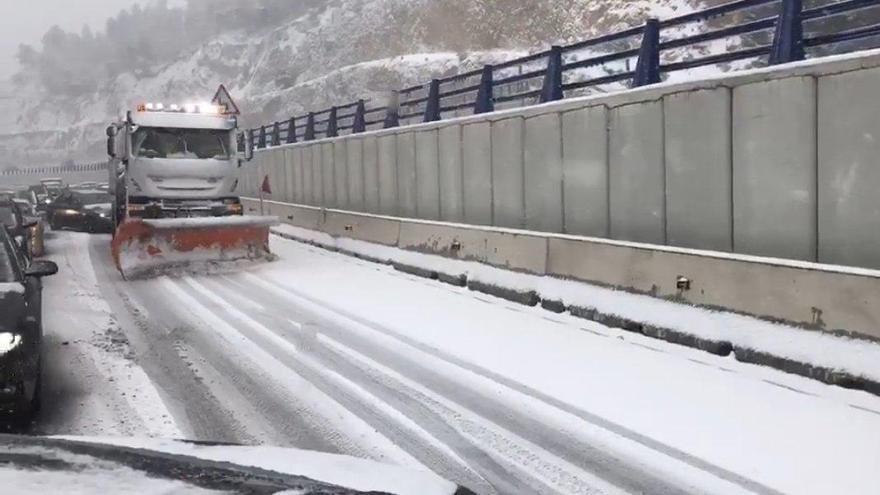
[{"x": 173, "y": 175}]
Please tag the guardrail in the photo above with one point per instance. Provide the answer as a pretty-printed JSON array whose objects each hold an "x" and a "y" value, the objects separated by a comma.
[
  {"x": 55, "y": 170},
  {"x": 769, "y": 32}
]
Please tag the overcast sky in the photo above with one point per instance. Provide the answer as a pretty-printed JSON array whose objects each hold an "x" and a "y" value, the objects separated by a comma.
[{"x": 25, "y": 21}]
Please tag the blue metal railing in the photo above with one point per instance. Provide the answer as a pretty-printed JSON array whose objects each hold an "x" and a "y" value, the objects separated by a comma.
[{"x": 773, "y": 32}]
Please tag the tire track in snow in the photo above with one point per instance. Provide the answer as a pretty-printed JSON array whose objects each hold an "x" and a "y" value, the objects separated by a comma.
[
  {"x": 502, "y": 458},
  {"x": 549, "y": 472},
  {"x": 209, "y": 391},
  {"x": 390, "y": 422},
  {"x": 92, "y": 383},
  {"x": 160, "y": 344},
  {"x": 305, "y": 402},
  {"x": 631, "y": 476},
  {"x": 565, "y": 449}
]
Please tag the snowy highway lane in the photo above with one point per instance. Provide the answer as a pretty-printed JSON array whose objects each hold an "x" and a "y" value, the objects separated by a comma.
[{"x": 327, "y": 352}]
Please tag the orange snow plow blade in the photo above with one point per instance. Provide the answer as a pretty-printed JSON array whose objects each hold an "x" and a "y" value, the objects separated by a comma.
[{"x": 143, "y": 248}]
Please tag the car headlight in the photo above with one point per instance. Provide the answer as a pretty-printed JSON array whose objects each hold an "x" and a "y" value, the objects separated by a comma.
[{"x": 9, "y": 341}]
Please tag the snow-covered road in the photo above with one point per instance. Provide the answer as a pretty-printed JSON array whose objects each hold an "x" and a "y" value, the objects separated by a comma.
[{"x": 326, "y": 352}]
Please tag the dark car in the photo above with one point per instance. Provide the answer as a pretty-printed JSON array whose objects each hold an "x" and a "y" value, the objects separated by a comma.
[
  {"x": 25, "y": 194},
  {"x": 82, "y": 210},
  {"x": 53, "y": 187},
  {"x": 17, "y": 225},
  {"x": 36, "y": 246},
  {"x": 21, "y": 328},
  {"x": 42, "y": 197}
]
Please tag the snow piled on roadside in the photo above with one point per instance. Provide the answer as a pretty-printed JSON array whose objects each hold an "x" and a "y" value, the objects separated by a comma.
[
  {"x": 349, "y": 472},
  {"x": 85, "y": 475},
  {"x": 857, "y": 357}
]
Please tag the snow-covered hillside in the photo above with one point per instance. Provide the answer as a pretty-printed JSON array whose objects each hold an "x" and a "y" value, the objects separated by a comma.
[{"x": 340, "y": 50}]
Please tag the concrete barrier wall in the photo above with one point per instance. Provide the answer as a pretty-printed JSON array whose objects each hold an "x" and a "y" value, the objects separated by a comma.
[
  {"x": 780, "y": 162},
  {"x": 821, "y": 297},
  {"x": 774, "y": 168},
  {"x": 585, "y": 171},
  {"x": 451, "y": 174},
  {"x": 698, "y": 124},
  {"x": 508, "y": 181},
  {"x": 848, "y": 178}
]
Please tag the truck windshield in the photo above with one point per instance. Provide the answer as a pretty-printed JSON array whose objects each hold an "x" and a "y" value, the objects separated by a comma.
[{"x": 162, "y": 142}]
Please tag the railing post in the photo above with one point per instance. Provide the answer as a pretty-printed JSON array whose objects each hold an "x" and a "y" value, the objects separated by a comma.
[
  {"x": 262, "y": 137},
  {"x": 432, "y": 106},
  {"x": 291, "y": 130},
  {"x": 310, "y": 127},
  {"x": 648, "y": 66},
  {"x": 333, "y": 123},
  {"x": 552, "y": 90},
  {"x": 360, "y": 118},
  {"x": 485, "y": 95},
  {"x": 276, "y": 134},
  {"x": 788, "y": 41},
  {"x": 392, "y": 111}
]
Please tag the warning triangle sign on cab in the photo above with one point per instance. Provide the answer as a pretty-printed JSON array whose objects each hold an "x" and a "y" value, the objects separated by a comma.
[{"x": 223, "y": 98}]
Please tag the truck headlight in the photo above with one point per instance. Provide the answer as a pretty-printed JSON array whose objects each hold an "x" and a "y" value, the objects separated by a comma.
[{"x": 9, "y": 341}]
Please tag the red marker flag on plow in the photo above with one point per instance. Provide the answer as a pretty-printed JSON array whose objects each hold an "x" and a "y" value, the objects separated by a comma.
[{"x": 264, "y": 189}]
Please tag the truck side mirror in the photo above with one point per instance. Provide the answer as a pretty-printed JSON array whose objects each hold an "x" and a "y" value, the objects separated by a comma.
[
  {"x": 111, "y": 141},
  {"x": 41, "y": 269}
]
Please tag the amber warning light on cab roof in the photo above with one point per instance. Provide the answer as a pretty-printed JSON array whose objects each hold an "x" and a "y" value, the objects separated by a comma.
[{"x": 201, "y": 108}]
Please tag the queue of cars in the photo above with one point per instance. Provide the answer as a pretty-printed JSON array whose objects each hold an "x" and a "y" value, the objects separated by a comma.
[
  {"x": 85, "y": 210},
  {"x": 21, "y": 327},
  {"x": 24, "y": 212}
]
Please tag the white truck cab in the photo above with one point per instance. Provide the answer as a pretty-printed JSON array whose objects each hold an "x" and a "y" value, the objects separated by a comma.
[{"x": 175, "y": 161}]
